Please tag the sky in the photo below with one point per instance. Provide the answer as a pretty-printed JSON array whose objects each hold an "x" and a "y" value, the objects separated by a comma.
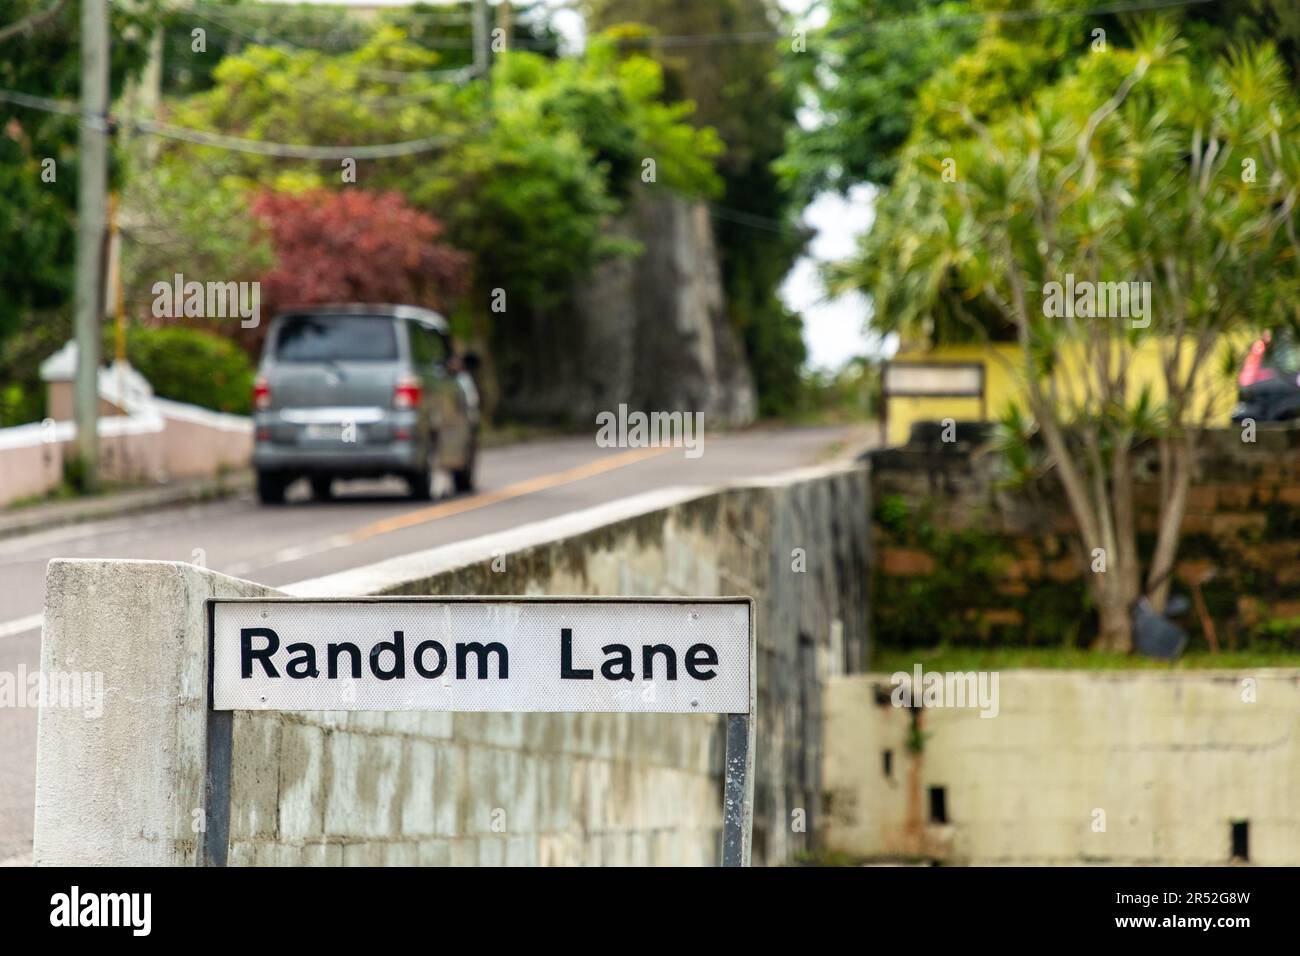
[{"x": 833, "y": 328}]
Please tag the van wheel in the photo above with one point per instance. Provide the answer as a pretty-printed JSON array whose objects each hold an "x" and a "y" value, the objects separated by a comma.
[
  {"x": 422, "y": 480},
  {"x": 322, "y": 488},
  {"x": 270, "y": 488},
  {"x": 462, "y": 479}
]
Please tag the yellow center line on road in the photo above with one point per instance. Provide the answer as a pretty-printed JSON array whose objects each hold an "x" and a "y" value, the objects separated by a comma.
[{"x": 445, "y": 510}]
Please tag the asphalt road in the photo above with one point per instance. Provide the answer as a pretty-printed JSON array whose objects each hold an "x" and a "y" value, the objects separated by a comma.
[{"x": 367, "y": 522}]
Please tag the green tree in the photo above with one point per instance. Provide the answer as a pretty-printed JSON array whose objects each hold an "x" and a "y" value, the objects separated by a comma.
[
  {"x": 530, "y": 192},
  {"x": 864, "y": 73},
  {"x": 229, "y": 28},
  {"x": 1130, "y": 168},
  {"x": 529, "y": 170},
  {"x": 177, "y": 222},
  {"x": 880, "y": 70},
  {"x": 38, "y": 213},
  {"x": 193, "y": 366},
  {"x": 559, "y": 146}
]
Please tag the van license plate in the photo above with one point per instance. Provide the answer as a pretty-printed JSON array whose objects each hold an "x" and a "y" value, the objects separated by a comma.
[{"x": 316, "y": 432}]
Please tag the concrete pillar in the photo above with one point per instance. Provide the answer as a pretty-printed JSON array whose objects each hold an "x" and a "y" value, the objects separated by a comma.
[{"x": 121, "y": 788}]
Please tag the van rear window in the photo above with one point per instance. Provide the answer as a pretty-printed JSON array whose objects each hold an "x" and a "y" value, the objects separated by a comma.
[{"x": 336, "y": 338}]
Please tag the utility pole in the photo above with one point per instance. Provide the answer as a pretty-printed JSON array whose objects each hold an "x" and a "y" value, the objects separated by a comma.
[
  {"x": 92, "y": 177},
  {"x": 503, "y": 21},
  {"x": 481, "y": 38}
]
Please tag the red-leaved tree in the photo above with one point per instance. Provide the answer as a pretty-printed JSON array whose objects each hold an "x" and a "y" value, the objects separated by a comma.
[{"x": 355, "y": 246}]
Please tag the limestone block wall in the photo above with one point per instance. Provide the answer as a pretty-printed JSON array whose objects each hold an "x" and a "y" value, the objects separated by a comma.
[
  {"x": 964, "y": 559},
  {"x": 465, "y": 789},
  {"x": 1078, "y": 767},
  {"x": 650, "y": 330}
]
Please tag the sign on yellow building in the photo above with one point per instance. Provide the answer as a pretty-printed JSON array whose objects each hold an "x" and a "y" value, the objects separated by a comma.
[{"x": 975, "y": 383}]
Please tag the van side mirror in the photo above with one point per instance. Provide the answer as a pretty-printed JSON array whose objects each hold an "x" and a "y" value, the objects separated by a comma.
[{"x": 471, "y": 361}]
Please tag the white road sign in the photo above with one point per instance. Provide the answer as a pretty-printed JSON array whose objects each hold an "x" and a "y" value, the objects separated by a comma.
[{"x": 483, "y": 654}]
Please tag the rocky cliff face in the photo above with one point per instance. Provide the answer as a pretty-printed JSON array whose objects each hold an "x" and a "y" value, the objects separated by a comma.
[{"x": 649, "y": 331}]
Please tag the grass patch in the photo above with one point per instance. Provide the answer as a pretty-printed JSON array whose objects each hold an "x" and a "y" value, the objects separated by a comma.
[
  {"x": 62, "y": 492},
  {"x": 890, "y": 660},
  {"x": 66, "y": 491}
]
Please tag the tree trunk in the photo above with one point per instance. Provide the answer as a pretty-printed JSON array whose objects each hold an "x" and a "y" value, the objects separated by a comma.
[
  {"x": 1172, "y": 509},
  {"x": 1116, "y": 631}
]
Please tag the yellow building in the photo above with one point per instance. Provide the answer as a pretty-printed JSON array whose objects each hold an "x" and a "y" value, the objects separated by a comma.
[{"x": 979, "y": 382}]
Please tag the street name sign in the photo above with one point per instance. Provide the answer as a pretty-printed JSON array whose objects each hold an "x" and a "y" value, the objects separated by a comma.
[
  {"x": 482, "y": 655},
  {"x": 516, "y": 654}
]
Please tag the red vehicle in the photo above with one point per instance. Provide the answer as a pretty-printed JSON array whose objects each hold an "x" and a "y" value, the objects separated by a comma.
[{"x": 1269, "y": 383}]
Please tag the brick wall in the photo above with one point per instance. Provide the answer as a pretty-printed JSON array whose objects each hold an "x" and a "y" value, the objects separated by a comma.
[{"x": 963, "y": 559}]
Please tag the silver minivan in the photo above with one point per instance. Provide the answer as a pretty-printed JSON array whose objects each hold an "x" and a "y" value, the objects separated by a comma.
[{"x": 351, "y": 391}]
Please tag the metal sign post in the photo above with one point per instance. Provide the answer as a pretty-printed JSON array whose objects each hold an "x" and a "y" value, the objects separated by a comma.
[
  {"x": 511, "y": 654},
  {"x": 738, "y": 772},
  {"x": 738, "y": 791}
]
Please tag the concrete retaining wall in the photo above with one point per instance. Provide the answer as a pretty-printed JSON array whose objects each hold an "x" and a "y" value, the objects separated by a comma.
[
  {"x": 131, "y": 449},
  {"x": 125, "y": 787},
  {"x": 434, "y": 788},
  {"x": 1078, "y": 767},
  {"x": 142, "y": 438}
]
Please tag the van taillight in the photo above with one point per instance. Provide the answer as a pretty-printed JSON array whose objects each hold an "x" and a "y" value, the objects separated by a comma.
[
  {"x": 261, "y": 394},
  {"x": 407, "y": 393},
  {"x": 1253, "y": 371}
]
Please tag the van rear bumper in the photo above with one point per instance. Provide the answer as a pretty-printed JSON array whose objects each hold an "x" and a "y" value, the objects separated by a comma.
[{"x": 392, "y": 458}]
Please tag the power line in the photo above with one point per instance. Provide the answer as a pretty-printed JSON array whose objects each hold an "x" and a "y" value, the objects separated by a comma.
[
  {"x": 330, "y": 40},
  {"x": 237, "y": 143},
  {"x": 291, "y": 150},
  {"x": 743, "y": 218},
  {"x": 455, "y": 75},
  {"x": 707, "y": 39},
  {"x": 704, "y": 39},
  {"x": 875, "y": 26},
  {"x": 458, "y": 75},
  {"x": 1020, "y": 16},
  {"x": 65, "y": 107},
  {"x": 263, "y": 41},
  {"x": 339, "y": 39},
  {"x": 385, "y": 150},
  {"x": 276, "y": 10},
  {"x": 450, "y": 43}
]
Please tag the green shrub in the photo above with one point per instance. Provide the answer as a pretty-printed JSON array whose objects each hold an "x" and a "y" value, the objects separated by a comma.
[
  {"x": 20, "y": 403},
  {"x": 22, "y": 395},
  {"x": 187, "y": 365}
]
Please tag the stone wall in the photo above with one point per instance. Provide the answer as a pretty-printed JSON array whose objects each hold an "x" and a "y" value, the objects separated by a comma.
[
  {"x": 426, "y": 788},
  {"x": 1078, "y": 767},
  {"x": 142, "y": 438},
  {"x": 964, "y": 559},
  {"x": 648, "y": 330}
]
